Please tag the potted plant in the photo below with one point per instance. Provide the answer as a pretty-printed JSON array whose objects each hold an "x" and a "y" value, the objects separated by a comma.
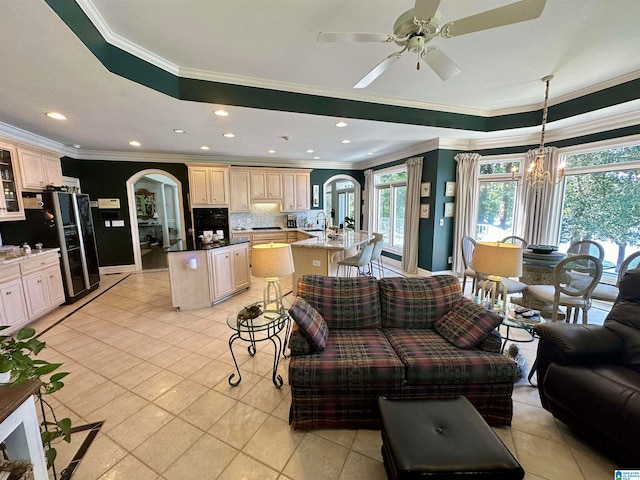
[
  {"x": 17, "y": 358},
  {"x": 349, "y": 223}
]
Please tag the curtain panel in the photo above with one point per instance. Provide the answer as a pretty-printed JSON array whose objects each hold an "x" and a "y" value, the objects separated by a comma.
[
  {"x": 369, "y": 198},
  {"x": 412, "y": 216},
  {"x": 466, "y": 215}
]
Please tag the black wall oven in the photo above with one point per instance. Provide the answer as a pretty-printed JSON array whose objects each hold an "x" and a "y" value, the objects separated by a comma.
[{"x": 215, "y": 220}]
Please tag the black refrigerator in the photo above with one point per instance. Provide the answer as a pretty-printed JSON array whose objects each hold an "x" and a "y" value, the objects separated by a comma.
[{"x": 63, "y": 220}]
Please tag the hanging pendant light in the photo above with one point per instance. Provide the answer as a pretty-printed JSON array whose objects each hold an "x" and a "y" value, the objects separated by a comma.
[{"x": 536, "y": 175}]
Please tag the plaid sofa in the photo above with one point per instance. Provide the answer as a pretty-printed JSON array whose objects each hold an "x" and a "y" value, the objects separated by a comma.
[{"x": 381, "y": 341}]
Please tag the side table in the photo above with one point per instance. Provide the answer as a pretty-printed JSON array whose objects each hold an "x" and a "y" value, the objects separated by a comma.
[
  {"x": 266, "y": 326},
  {"x": 529, "y": 327}
]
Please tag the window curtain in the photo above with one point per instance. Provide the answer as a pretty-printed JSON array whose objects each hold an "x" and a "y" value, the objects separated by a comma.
[
  {"x": 466, "y": 219},
  {"x": 369, "y": 198},
  {"x": 412, "y": 216},
  {"x": 539, "y": 217}
]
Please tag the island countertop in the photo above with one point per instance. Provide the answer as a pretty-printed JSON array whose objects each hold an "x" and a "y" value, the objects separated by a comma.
[
  {"x": 186, "y": 246},
  {"x": 348, "y": 240}
]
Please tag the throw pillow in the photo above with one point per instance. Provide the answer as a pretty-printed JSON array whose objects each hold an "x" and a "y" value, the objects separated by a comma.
[
  {"x": 310, "y": 322},
  {"x": 466, "y": 324}
]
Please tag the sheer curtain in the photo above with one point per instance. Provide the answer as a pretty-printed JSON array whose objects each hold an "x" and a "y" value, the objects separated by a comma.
[
  {"x": 412, "y": 216},
  {"x": 539, "y": 217},
  {"x": 466, "y": 218},
  {"x": 369, "y": 198}
]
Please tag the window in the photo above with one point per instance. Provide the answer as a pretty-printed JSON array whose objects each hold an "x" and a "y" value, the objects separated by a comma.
[
  {"x": 497, "y": 199},
  {"x": 391, "y": 192},
  {"x": 602, "y": 202}
]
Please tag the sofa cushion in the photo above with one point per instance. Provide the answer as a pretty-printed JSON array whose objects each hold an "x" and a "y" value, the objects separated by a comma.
[
  {"x": 624, "y": 318},
  {"x": 416, "y": 302},
  {"x": 351, "y": 359},
  {"x": 467, "y": 323},
  {"x": 310, "y": 322},
  {"x": 343, "y": 302},
  {"x": 299, "y": 343},
  {"x": 430, "y": 359}
]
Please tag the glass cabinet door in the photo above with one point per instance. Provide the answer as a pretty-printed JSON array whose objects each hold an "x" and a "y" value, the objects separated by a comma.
[{"x": 10, "y": 201}]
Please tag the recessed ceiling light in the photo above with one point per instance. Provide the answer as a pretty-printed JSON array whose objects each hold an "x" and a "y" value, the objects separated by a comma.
[
  {"x": 369, "y": 153},
  {"x": 271, "y": 151},
  {"x": 204, "y": 147},
  {"x": 76, "y": 145},
  {"x": 346, "y": 141},
  {"x": 56, "y": 115},
  {"x": 134, "y": 143},
  {"x": 341, "y": 124},
  {"x": 228, "y": 135},
  {"x": 179, "y": 130},
  {"x": 316, "y": 158},
  {"x": 221, "y": 113},
  {"x": 309, "y": 151}
]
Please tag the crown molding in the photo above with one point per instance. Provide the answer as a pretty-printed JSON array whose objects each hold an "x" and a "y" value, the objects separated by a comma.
[{"x": 28, "y": 139}]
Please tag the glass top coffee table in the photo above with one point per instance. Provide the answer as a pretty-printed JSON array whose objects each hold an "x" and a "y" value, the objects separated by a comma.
[
  {"x": 514, "y": 324},
  {"x": 266, "y": 326}
]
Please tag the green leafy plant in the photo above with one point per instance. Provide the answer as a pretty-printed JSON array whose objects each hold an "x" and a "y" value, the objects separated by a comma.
[
  {"x": 349, "y": 223},
  {"x": 17, "y": 356}
]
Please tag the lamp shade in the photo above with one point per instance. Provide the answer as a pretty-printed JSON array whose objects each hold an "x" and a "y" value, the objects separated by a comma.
[
  {"x": 271, "y": 260},
  {"x": 495, "y": 258}
]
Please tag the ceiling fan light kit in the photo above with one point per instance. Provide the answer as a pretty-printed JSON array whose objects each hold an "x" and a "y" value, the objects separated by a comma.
[{"x": 416, "y": 27}]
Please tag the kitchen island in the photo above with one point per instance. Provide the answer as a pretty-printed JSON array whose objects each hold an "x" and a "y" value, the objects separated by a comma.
[
  {"x": 203, "y": 275},
  {"x": 321, "y": 254}
]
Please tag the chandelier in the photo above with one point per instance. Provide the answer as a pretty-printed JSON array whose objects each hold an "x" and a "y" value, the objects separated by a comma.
[{"x": 537, "y": 176}]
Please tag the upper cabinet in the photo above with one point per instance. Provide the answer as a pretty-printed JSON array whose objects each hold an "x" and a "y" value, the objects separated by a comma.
[
  {"x": 296, "y": 190},
  {"x": 39, "y": 170},
  {"x": 10, "y": 197},
  {"x": 266, "y": 185},
  {"x": 239, "y": 190},
  {"x": 208, "y": 186}
]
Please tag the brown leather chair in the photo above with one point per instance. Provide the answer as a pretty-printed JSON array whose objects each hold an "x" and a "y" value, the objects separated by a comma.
[{"x": 589, "y": 375}]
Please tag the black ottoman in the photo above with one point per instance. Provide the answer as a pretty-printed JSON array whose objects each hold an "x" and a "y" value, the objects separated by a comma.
[{"x": 442, "y": 439}]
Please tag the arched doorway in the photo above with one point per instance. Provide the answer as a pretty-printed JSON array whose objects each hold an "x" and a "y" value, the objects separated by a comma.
[
  {"x": 156, "y": 211},
  {"x": 341, "y": 195}
]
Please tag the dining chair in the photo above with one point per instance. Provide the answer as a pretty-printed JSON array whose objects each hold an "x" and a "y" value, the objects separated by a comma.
[
  {"x": 468, "y": 245},
  {"x": 587, "y": 247},
  {"x": 515, "y": 240},
  {"x": 376, "y": 255},
  {"x": 609, "y": 293},
  {"x": 574, "y": 279},
  {"x": 359, "y": 261}
]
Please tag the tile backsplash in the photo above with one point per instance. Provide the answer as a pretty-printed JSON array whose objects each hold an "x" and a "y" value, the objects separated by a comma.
[{"x": 269, "y": 215}]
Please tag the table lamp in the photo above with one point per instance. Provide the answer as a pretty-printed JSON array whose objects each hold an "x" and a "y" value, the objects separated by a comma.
[
  {"x": 269, "y": 261},
  {"x": 499, "y": 260}
]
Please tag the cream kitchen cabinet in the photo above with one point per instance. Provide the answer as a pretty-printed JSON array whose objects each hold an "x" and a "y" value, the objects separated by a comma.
[
  {"x": 39, "y": 170},
  {"x": 295, "y": 191},
  {"x": 240, "y": 200},
  {"x": 11, "y": 207},
  {"x": 13, "y": 310},
  {"x": 266, "y": 185},
  {"x": 208, "y": 186},
  {"x": 230, "y": 267}
]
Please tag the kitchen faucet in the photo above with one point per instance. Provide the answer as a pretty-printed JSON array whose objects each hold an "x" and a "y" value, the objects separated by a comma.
[{"x": 324, "y": 219}]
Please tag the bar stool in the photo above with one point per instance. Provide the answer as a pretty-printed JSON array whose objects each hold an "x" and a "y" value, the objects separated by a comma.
[
  {"x": 376, "y": 256},
  {"x": 359, "y": 261}
]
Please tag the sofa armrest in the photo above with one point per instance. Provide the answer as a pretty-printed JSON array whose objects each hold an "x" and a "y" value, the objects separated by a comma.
[{"x": 570, "y": 344}]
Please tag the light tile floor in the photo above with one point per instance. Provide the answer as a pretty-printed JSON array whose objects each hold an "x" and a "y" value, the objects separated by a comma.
[{"x": 158, "y": 378}]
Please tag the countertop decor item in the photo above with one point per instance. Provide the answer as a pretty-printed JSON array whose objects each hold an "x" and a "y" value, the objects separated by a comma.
[{"x": 537, "y": 248}]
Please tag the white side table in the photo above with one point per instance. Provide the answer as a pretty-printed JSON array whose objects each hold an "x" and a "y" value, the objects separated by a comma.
[{"x": 19, "y": 426}]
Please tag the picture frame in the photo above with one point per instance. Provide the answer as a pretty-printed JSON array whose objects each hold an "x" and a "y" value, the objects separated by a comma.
[
  {"x": 425, "y": 210},
  {"x": 449, "y": 209},
  {"x": 425, "y": 189},
  {"x": 316, "y": 196},
  {"x": 450, "y": 189}
]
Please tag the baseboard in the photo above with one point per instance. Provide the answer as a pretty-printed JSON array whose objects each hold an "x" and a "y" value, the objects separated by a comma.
[{"x": 118, "y": 269}]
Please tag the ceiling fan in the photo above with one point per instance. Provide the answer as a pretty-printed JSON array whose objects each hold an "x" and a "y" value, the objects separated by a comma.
[{"x": 416, "y": 27}]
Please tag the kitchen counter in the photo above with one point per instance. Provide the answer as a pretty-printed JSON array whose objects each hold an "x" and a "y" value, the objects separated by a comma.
[
  {"x": 9, "y": 258},
  {"x": 185, "y": 246},
  {"x": 320, "y": 255}
]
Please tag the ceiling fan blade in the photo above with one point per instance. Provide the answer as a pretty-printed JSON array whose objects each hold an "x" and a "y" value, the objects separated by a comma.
[
  {"x": 513, "y": 13},
  {"x": 425, "y": 9},
  {"x": 378, "y": 70},
  {"x": 354, "y": 37},
  {"x": 440, "y": 63}
]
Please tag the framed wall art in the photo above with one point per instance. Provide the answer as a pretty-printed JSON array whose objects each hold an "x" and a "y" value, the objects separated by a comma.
[
  {"x": 425, "y": 189},
  {"x": 425, "y": 208},
  {"x": 316, "y": 196},
  {"x": 449, "y": 209},
  {"x": 450, "y": 189}
]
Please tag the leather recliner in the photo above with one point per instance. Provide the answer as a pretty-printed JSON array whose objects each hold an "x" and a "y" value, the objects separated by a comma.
[{"x": 589, "y": 375}]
